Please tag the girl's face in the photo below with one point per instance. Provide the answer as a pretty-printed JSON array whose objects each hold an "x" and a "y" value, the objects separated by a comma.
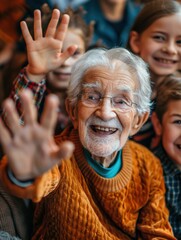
[
  {"x": 58, "y": 80},
  {"x": 160, "y": 45}
]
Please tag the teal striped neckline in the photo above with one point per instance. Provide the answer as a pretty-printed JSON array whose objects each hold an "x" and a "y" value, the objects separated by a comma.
[{"x": 109, "y": 172}]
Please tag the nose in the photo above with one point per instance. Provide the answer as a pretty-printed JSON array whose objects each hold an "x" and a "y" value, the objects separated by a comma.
[
  {"x": 170, "y": 48},
  {"x": 105, "y": 110}
]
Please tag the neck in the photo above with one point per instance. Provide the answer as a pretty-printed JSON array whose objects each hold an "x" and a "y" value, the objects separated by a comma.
[
  {"x": 105, "y": 161},
  {"x": 113, "y": 11},
  {"x": 156, "y": 80}
]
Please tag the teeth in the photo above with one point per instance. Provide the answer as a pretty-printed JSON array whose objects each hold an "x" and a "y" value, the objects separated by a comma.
[
  {"x": 166, "y": 61},
  {"x": 106, "y": 129}
]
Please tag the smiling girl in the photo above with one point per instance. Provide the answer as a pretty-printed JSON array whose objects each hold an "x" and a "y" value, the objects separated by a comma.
[{"x": 156, "y": 37}]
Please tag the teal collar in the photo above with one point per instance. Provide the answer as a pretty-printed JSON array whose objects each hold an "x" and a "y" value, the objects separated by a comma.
[{"x": 109, "y": 172}]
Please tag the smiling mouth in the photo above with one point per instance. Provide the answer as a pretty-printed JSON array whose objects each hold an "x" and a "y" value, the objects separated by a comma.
[
  {"x": 104, "y": 130},
  {"x": 165, "y": 61},
  {"x": 60, "y": 73}
]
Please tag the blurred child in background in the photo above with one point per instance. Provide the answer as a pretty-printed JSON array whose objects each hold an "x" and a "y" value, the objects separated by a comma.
[{"x": 79, "y": 34}]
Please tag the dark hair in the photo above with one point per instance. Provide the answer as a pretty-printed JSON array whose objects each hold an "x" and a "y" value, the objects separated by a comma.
[
  {"x": 152, "y": 11},
  {"x": 76, "y": 22},
  {"x": 167, "y": 90}
]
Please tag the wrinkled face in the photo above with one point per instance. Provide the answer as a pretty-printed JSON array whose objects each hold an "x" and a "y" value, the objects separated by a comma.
[
  {"x": 59, "y": 79},
  {"x": 171, "y": 131},
  {"x": 104, "y": 130},
  {"x": 160, "y": 45}
]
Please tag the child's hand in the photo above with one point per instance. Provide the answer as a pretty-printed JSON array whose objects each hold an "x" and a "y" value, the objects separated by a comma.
[{"x": 45, "y": 52}]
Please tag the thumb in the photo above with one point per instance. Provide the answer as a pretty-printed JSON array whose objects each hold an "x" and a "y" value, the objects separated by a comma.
[{"x": 68, "y": 53}]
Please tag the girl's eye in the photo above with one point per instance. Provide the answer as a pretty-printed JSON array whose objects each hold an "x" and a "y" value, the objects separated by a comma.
[
  {"x": 159, "y": 37},
  {"x": 178, "y": 122},
  {"x": 178, "y": 42}
]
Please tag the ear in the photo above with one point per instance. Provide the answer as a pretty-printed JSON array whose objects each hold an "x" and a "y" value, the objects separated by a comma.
[
  {"x": 156, "y": 124},
  {"x": 134, "y": 42},
  {"x": 138, "y": 122},
  {"x": 72, "y": 111}
]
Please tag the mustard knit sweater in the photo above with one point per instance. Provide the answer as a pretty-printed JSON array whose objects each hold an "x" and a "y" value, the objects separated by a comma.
[{"x": 74, "y": 202}]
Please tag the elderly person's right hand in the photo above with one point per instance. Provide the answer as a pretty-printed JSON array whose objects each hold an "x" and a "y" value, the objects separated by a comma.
[
  {"x": 31, "y": 149},
  {"x": 45, "y": 52}
]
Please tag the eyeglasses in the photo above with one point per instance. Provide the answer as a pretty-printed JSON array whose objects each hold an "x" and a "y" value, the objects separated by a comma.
[{"x": 94, "y": 99}]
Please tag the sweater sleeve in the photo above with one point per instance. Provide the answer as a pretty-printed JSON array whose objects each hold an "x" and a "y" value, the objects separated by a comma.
[
  {"x": 41, "y": 187},
  {"x": 153, "y": 218}
]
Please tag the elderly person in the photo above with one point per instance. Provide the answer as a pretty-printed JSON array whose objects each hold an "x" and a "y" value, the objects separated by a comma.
[{"x": 90, "y": 182}]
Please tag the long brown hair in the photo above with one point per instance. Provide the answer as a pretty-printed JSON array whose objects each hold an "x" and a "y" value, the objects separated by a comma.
[{"x": 152, "y": 11}]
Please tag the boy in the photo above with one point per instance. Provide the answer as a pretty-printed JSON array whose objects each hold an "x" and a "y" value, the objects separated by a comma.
[{"x": 167, "y": 124}]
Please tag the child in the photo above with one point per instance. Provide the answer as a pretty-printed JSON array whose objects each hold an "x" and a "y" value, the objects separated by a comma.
[
  {"x": 156, "y": 37},
  {"x": 79, "y": 33},
  {"x": 167, "y": 124}
]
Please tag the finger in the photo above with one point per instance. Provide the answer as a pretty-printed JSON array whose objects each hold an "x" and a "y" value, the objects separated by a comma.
[
  {"x": 52, "y": 26},
  {"x": 45, "y": 8},
  {"x": 11, "y": 116},
  {"x": 37, "y": 25},
  {"x": 65, "y": 151},
  {"x": 26, "y": 34},
  {"x": 5, "y": 137},
  {"x": 49, "y": 115},
  {"x": 68, "y": 53},
  {"x": 62, "y": 29},
  {"x": 29, "y": 109}
]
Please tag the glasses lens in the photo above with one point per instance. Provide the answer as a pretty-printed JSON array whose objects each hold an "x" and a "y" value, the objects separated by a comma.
[{"x": 91, "y": 98}]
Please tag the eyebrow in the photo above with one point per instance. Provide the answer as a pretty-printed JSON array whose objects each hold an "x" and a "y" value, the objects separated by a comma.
[
  {"x": 176, "y": 115},
  {"x": 123, "y": 88},
  {"x": 91, "y": 85}
]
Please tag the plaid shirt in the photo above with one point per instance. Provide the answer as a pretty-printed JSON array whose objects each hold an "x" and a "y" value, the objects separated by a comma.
[
  {"x": 40, "y": 91},
  {"x": 172, "y": 177},
  {"x": 22, "y": 82}
]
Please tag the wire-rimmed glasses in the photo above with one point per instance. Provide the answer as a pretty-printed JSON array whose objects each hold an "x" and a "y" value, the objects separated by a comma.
[{"x": 94, "y": 99}]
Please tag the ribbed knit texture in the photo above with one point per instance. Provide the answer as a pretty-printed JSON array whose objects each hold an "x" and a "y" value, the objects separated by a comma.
[{"x": 80, "y": 204}]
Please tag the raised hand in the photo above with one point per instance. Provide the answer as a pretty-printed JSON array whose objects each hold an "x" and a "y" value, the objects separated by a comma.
[
  {"x": 45, "y": 52},
  {"x": 31, "y": 149}
]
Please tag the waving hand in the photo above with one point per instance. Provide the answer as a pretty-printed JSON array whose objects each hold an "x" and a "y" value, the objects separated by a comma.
[
  {"x": 31, "y": 149},
  {"x": 45, "y": 52}
]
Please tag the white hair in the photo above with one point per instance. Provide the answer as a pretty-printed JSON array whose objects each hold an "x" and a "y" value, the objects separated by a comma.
[{"x": 106, "y": 58}]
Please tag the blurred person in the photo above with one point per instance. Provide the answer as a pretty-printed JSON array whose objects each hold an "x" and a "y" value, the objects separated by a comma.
[
  {"x": 60, "y": 4},
  {"x": 113, "y": 20},
  {"x": 167, "y": 124},
  {"x": 64, "y": 4},
  {"x": 56, "y": 81},
  {"x": 11, "y": 13},
  {"x": 15, "y": 215},
  {"x": 156, "y": 38},
  {"x": 92, "y": 182}
]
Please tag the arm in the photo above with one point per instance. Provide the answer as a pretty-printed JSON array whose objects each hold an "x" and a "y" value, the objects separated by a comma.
[
  {"x": 44, "y": 55},
  {"x": 22, "y": 82},
  {"x": 31, "y": 152}
]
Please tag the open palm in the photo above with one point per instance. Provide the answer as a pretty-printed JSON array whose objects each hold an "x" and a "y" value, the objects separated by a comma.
[
  {"x": 45, "y": 52},
  {"x": 31, "y": 149}
]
